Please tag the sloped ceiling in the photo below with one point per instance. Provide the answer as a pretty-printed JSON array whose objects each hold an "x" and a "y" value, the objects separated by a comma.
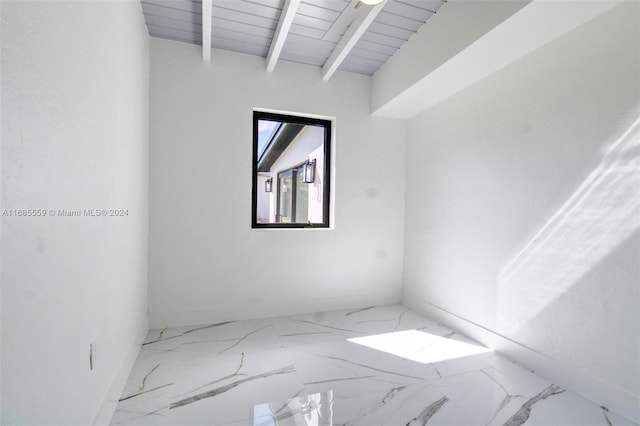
[{"x": 316, "y": 31}]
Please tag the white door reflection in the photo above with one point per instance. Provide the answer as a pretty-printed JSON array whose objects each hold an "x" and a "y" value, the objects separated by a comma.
[{"x": 308, "y": 410}]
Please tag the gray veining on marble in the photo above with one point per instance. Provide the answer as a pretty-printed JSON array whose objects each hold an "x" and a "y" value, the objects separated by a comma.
[
  {"x": 314, "y": 370},
  {"x": 424, "y": 417},
  {"x": 229, "y": 386},
  {"x": 522, "y": 415}
]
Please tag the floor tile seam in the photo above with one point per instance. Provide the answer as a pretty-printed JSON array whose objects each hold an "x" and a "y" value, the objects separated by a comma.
[
  {"x": 454, "y": 401},
  {"x": 498, "y": 408},
  {"x": 438, "y": 392},
  {"x": 488, "y": 367}
]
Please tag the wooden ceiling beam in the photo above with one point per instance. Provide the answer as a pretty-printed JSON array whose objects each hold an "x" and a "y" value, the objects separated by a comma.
[
  {"x": 349, "y": 40},
  {"x": 282, "y": 30},
  {"x": 207, "y": 11}
]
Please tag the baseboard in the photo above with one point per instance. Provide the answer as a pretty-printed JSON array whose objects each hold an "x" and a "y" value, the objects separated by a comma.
[
  {"x": 268, "y": 310},
  {"x": 117, "y": 385},
  {"x": 604, "y": 394}
]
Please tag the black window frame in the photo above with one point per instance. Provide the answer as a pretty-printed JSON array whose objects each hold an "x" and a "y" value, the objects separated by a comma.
[{"x": 326, "y": 183}]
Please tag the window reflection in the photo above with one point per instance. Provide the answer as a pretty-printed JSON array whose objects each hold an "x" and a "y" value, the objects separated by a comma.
[{"x": 307, "y": 410}]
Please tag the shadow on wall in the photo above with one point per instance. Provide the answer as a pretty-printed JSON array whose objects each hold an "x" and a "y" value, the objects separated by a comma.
[{"x": 600, "y": 215}]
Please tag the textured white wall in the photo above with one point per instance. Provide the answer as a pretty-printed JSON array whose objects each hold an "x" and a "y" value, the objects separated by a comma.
[
  {"x": 74, "y": 136},
  {"x": 205, "y": 261},
  {"x": 491, "y": 165}
]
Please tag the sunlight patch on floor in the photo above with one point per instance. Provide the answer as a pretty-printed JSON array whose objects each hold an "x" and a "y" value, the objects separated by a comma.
[{"x": 420, "y": 346}]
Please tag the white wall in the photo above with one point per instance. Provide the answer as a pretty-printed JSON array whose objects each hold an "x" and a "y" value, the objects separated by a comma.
[
  {"x": 205, "y": 261},
  {"x": 74, "y": 136},
  {"x": 457, "y": 25},
  {"x": 488, "y": 168}
]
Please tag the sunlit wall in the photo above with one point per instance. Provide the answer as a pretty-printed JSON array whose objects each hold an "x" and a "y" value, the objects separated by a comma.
[{"x": 522, "y": 205}]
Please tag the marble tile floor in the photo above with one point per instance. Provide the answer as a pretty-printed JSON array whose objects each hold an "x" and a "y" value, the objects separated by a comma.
[{"x": 374, "y": 366}]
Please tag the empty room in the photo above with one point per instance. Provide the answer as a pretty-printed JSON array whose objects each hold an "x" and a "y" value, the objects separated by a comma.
[{"x": 320, "y": 212}]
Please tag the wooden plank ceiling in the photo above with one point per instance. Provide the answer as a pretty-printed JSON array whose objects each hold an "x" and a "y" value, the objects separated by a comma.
[{"x": 317, "y": 30}]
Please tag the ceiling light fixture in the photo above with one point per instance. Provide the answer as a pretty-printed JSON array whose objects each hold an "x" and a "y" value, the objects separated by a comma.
[{"x": 371, "y": 2}]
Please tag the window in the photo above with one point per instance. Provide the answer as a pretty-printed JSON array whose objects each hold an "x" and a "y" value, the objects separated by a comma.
[{"x": 291, "y": 171}]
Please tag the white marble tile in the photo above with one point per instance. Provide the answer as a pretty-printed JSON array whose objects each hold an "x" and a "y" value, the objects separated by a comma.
[
  {"x": 224, "y": 387},
  {"x": 447, "y": 356},
  {"x": 302, "y": 409},
  {"x": 371, "y": 320},
  {"x": 147, "y": 392},
  {"x": 342, "y": 365},
  {"x": 232, "y": 337},
  {"x": 457, "y": 366},
  {"x": 477, "y": 394},
  {"x": 496, "y": 396},
  {"x": 166, "y": 339},
  {"x": 132, "y": 417},
  {"x": 568, "y": 409},
  {"x": 294, "y": 331},
  {"x": 410, "y": 405},
  {"x": 323, "y": 369},
  {"x": 150, "y": 407}
]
